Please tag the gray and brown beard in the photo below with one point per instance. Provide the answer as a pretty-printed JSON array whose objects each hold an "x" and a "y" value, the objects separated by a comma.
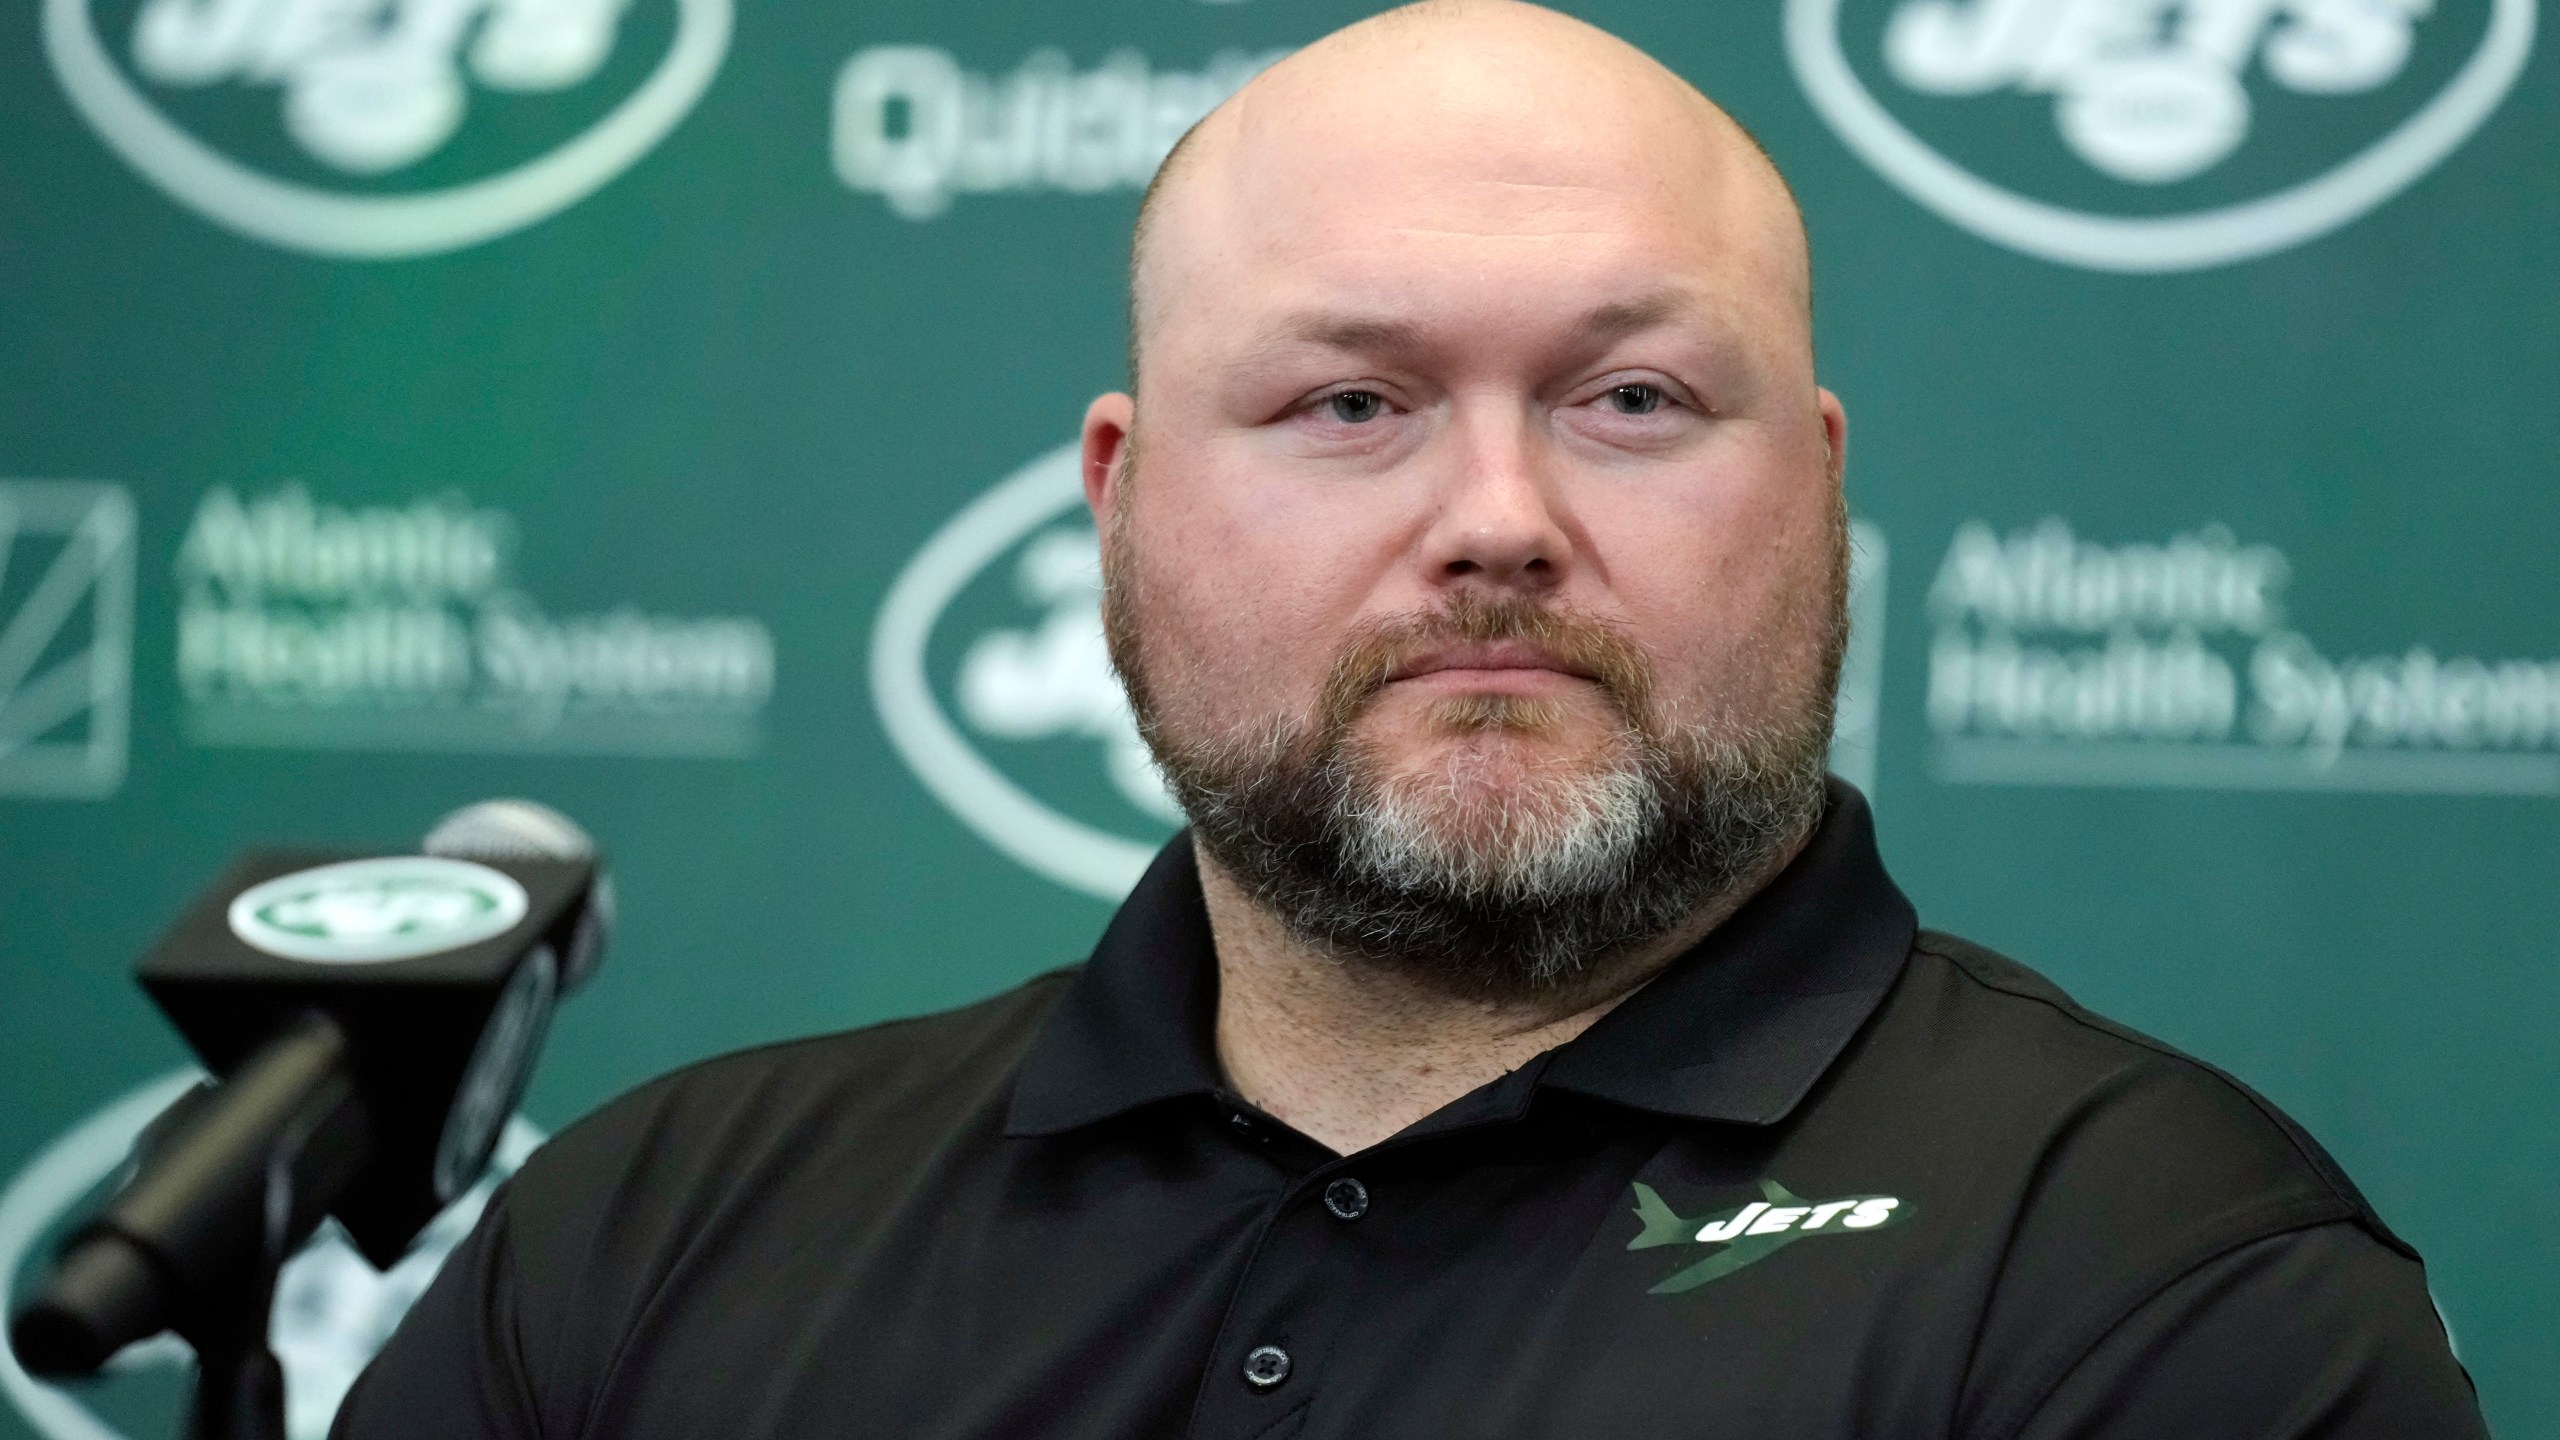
[{"x": 1510, "y": 891}]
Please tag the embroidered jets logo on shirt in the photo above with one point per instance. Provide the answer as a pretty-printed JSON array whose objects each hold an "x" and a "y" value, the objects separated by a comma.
[{"x": 1753, "y": 1232}]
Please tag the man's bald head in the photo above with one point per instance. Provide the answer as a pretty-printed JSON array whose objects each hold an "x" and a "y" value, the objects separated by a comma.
[
  {"x": 1446, "y": 90},
  {"x": 1483, "y": 598}
]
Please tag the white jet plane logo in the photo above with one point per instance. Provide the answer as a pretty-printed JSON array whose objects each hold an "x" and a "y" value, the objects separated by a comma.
[
  {"x": 1749, "y": 1234},
  {"x": 1056, "y": 679},
  {"x": 2158, "y": 99},
  {"x": 2149, "y": 91},
  {"x": 368, "y": 89},
  {"x": 372, "y": 85}
]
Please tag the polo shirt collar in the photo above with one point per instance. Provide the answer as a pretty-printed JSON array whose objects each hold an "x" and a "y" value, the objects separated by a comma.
[
  {"x": 1738, "y": 1029},
  {"x": 1139, "y": 1023}
]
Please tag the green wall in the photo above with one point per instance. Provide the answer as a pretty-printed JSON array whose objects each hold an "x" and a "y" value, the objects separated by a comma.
[{"x": 646, "y": 410}]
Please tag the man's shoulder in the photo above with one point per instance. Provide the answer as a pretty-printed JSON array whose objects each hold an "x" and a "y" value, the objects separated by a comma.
[
  {"x": 845, "y": 1106},
  {"x": 2115, "y": 1168},
  {"x": 712, "y": 1180},
  {"x": 896, "y": 1061},
  {"x": 2113, "y": 1107}
]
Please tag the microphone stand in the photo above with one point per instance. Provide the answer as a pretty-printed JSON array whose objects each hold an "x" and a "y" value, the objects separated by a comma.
[
  {"x": 239, "y": 1392},
  {"x": 228, "y": 1183},
  {"x": 294, "y": 1089}
]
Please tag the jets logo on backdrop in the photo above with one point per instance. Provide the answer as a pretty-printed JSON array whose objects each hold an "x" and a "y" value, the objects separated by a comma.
[
  {"x": 2151, "y": 135},
  {"x": 383, "y": 128},
  {"x": 333, "y": 1311},
  {"x": 991, "y": 677},
  {"x": 989, "y": 648}
]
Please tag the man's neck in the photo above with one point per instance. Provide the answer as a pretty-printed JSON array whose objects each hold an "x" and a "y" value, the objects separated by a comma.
[{"x": 1349, "y": 1053}]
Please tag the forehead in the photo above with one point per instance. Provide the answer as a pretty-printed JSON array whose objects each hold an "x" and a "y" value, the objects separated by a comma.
[{"x": 1416, "y": 190}]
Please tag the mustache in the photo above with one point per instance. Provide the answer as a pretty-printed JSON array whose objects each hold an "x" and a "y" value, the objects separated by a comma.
[{"x": 1378, "y": 650}]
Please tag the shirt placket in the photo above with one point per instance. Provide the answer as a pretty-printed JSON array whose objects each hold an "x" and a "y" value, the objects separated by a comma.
[
  {"x": 1295, "y": 1298},
  {"x": 1303, "y": 1291}
]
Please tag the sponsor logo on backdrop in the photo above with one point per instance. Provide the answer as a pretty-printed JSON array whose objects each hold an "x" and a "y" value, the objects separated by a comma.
[
  {"x": 404, "y": 627},
  {"x": 333, "y": 1310},
  {"x": 2060, "y": 661},
  {"x": 66, "y": 637},
  {"x": 1858, "y": 717},
  {"x": 2151, "y": 135},
  {"x": 366, "y": 96},
  {"x": 915, "y": 128},
  {"x": 991, "y": 677}
]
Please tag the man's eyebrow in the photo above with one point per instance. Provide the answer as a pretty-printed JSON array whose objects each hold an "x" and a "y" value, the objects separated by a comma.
[
  {"x": 1622, "y": 318},
  {"x": 1347, "y": 334},
  {"x": 1370, "y": 335},
  {"x": 1350, "y": 332}
]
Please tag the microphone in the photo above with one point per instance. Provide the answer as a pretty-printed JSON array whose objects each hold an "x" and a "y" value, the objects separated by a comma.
[
  {"x": 503, "y": 830},
  {"x": 373, "y": 1022}
]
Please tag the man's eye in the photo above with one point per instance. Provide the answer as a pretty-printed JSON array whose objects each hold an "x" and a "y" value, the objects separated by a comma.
[
  {"x": 1635, "y": 399},
  {"x": 1355, "y": 407}
]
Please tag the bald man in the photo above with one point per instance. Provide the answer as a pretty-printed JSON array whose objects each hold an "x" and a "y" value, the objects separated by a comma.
[{"x": 1524, "y": 1039}]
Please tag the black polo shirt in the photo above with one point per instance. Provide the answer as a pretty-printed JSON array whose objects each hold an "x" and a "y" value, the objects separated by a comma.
[{"x": 1828, "y": 1175}]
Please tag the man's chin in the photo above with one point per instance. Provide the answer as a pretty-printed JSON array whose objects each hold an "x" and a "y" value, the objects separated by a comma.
[
  {"x": 1490, "y": 781},
  {"x": 1491, "y": 802},
  {"x": 1515, "y": 742}
]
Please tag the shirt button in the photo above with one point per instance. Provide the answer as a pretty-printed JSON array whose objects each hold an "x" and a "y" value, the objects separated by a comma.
[
  {"x": 1246, "y": 1126},
  {"x": 1347, "y": 1198},
  {"x": 1267, "y": 1366}
]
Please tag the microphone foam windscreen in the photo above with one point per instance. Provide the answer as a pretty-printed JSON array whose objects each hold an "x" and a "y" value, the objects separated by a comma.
[
  {"x": 509, "y": 830},
  {"x": 523, "y": 830}
]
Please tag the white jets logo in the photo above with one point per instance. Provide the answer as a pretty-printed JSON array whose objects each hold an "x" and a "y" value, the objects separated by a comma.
[
  {"x": 368, "y": 88},
  {"x": 2150, "y": 95},
  {"x": 992, "y": 679},
  {"x": 366, "y": 912},
  {"x": 1023, "y": 689}
]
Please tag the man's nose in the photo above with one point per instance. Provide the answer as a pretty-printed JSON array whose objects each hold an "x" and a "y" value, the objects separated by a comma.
[{"x": 1498, "y": 519}]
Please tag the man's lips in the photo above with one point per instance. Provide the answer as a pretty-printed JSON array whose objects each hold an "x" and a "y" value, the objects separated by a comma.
[{"x": 1497, "y": 664}]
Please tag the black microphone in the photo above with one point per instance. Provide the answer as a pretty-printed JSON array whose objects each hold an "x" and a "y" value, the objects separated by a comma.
[{"x": 373, "y": 1022}]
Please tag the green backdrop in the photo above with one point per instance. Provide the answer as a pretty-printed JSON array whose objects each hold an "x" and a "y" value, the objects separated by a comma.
[{"x": 654, "y": 410}]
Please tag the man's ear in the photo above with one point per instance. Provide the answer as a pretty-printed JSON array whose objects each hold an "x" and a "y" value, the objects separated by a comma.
[
  {"x": 1107, "y": 426},
  {"x": 1835, "y": 432}
]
